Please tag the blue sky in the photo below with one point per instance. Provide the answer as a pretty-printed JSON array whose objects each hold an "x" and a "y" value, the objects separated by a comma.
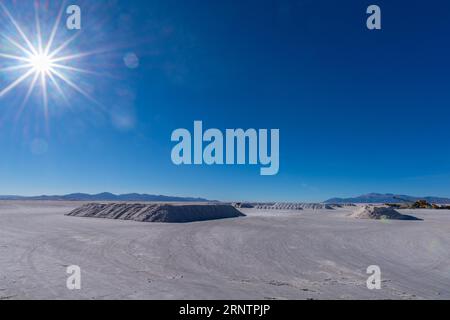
[{"x": 359, "y": 111}]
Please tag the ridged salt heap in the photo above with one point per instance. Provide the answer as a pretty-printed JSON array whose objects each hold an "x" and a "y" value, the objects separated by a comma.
[
  {"x": 156, "y": 212},
  {"x": 341, "y": 205},
  {"x": 380, "y": 213},
  {"x": 293, "y": 206},
  {"x": 317, "y": 206}
]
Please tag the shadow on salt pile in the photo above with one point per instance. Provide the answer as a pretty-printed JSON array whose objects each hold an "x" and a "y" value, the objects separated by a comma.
[
  {"x": 381, "y": 213},
  {"x": 168, "y": 213}
]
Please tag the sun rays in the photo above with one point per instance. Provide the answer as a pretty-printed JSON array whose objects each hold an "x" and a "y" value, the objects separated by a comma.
[{"x": 40, "y": 64}]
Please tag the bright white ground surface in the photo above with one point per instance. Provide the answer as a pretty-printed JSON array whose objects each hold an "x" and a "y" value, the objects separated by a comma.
[{"x": 267, "y": 255}]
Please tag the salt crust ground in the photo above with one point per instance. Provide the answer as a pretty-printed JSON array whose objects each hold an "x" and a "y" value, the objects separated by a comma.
[{"x": 308, "y": 254}]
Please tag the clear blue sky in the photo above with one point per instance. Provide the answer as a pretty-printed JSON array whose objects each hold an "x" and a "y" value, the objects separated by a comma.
[{"x": 358, "y": 111}]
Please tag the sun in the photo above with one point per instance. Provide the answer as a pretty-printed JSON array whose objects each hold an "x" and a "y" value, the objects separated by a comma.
[{"x": 41, "y": 63}]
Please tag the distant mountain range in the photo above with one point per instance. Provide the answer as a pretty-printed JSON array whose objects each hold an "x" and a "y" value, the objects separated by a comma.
[
  {"x": 106, "y": 196},
  {"x": 387, "y": 198},
  {"x": 136, "y": 197}
]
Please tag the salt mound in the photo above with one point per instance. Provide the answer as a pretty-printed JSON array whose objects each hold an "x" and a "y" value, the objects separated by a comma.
[
  {"x": 278, "y": 206},
  {"x": 317, "y": 206},
  {"x": 380, "y": 213},
  {"x": 293, "y": 206},
  {"x": 342, "y": 205},
  {"x": 156, "y": 212}
]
